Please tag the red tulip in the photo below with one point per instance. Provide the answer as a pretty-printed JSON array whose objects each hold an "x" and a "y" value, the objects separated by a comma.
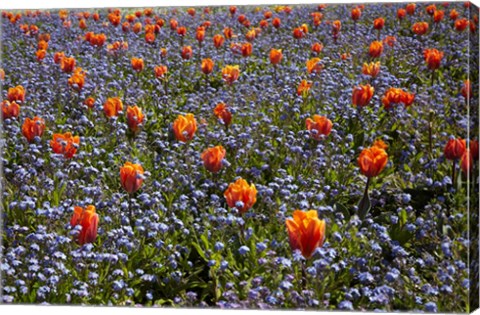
[
  {"x": 319, "y": 127},
  {"x": 223, "y": 113},
  {"x": 362, "y": 95},
  {"x": 454, "y": 149},
  {"x": 65, "y": 144},
  {"x": 131, "y": 177},
  {"x": 88, "y": 219},
  {"x": 10, "y": 109},
  {"x": 213, "y": 158},
  {"x": 306, "y": 232},
  {"x": 241, "y": 192},
  {"x": 32, "y": 128}
]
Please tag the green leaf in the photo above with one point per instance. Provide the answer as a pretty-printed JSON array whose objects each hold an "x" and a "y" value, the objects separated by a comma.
[
  {"x": 403, "y": 217},
  {"x": 344, "y": 210},
  {"x": 364, "y": 206}
]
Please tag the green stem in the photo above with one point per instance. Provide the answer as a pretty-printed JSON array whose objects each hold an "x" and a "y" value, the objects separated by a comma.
[{"x": 130, "y": 211}]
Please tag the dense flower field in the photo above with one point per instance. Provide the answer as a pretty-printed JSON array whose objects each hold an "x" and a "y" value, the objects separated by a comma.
[{"x": 311, "y": 156}]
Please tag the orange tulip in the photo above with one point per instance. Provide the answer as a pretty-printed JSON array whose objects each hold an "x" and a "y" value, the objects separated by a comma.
[
  {"x": 213, "y": 158},
  {"x": 125, "y": 27},
  {"x": 137, "y": 27},
  {"x": 246, "y": 49},
  {"x": 228, "y": 32},
  {"x": 112, "y": 107},
  {"x": 207, "y": 66},
  {"x": 390, "y": 40},
  {"x": 467, "y": 89},
  {"x": 218, "y": 40},
  {"x": 10, "y": 109},
  {"x": 241, "y": 18},
  {"x": 276, "y": 22},
  {"x": 173, "y": 24},
  {"x": 90, "y": 102},
  {"x": 454, "y": 149},
  {"x": 2, "y": 74},
  {"x": 150, "y": 28},
  {"x": 473, "y": 25},
  {"x": 372, "y": 69},
  {"x": 65, "y": 144},
  {"x": 42, "y": 45},
  {"x": 362, "y": 95},
  {"x": 317, "y": 18},
  {"x": 314, "y": 65},
  {"x": 304, "y": 28},
  {"x": 163, "y": 52},
  {"x": 431, "y": 9},
  {"x": 240, "y": 195},
  {"x": 131, "y": 177},
  {"x": 466, "y": 162},
  {"x": 182, "y": 31},
  {"x": 372, "y": 161},
  {"x": 98, "y": 40},
  {"x": 200, "y": 34},
  {"x": 114, "y": 19},
  {"x": 397, "y": 96},
  {"x": 401, "y": 13},
  {"x": 336, "y": 27},
  {"x": 187, "y": 52},
  {"x": 356, "y": 14},
  {"x": 376, "y": 49},
  {"x": 191, "y": 11},
  {"x": 454, "y": 15},
  {"x": 317, "y": 48},
  {"x": 184, "y": 127},
  {"x": 380, "y": 144},
  {"x": 420, "y": 28},
  {"x": 223, "y": 113},
  {"x": 150, "y": 38},
  {"x": 230, "y": 73},
  {"x": 148, "y": 11},
  {"x": 41, "y": 53},
  {"x": 82, "y": 24},
  {"x": 67, "y": 64},
  {"x": 378, "y": 23},
  {"x": 135, "y": 117},
  {"x": 438, "y": 16},
  {"x": 137, "y": 64},
  {"x": 433, "y": 58},
  {"x": 45, "y": 37},
  {"x": 160, "y": 71},
  {"x": 298, "y": 33},
  {"x": 276, "y": 56},
  {"x": 304, "y": 88},
  {"x": 319, "y": 127},
  {"x": 88, "y": 219},
  {"x": 411, "y": 8},
  {"x": 33, "y": 128},
  {"x": 16, "y": 94},
  {"x": 77, "y": 80},
  {"x": 130, "y": 18},
  {"x": 306, "y": 232},
  {"x": 461, "y": 24}
]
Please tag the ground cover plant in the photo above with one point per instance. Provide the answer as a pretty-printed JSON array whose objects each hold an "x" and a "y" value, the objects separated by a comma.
[{"x": 309, "y": 157}]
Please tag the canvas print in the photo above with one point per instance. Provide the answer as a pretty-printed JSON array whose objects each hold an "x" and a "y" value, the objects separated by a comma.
[{"x": 304, "y": 157}]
